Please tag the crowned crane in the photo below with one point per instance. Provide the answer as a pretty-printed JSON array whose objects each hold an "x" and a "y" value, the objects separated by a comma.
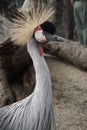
[{"x": 35, "y": 112}]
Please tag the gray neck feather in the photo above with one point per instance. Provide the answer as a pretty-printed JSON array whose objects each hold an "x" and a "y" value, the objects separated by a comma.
[
  {"x": 42, "y": 99},
  {"x": 43, "y": 80}
]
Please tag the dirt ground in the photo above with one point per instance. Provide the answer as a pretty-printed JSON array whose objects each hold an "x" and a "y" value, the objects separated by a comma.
[{"x": 70, "y": 95}]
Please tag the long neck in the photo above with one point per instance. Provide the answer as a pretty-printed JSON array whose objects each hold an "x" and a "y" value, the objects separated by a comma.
[{"x": 43, "y": 80}]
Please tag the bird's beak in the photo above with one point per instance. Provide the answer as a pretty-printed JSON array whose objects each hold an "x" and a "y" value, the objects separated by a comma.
[{"x": 51, "y": 37}]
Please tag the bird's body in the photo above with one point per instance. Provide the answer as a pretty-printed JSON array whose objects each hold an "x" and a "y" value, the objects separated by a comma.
[{"x": 26, "y": 113}]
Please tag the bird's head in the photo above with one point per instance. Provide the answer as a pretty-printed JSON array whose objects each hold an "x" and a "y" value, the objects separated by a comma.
[
  {"x": 42, "y": 31},
  {"x": 45, "y": 33},
  {"x": 36, "y": 23}
]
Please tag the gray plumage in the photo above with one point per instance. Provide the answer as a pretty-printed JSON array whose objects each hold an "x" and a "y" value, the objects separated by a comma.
[{"x": 35, "y": 111}]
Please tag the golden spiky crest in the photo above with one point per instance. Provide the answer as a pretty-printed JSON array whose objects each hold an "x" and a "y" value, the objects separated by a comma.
[{"x": 24, "y": 24}]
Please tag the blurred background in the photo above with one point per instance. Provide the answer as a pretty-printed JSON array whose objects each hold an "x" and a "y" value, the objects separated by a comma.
[{"x": 69, "y": 82}]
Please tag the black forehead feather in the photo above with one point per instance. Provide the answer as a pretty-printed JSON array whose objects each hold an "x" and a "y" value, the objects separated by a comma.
[{"x": 48, "y": 27}]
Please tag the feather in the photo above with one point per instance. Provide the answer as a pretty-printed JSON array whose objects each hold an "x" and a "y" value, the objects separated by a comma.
[
  {"x": 24, "y": 22},
  {"x": 7, "y": 48}
]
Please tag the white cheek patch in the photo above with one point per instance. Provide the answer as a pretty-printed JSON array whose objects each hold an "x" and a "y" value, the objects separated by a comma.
[{"x": 40, "y": 37}]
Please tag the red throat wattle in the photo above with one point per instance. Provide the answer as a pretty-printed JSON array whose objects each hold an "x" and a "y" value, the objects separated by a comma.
[{"x": 40, "y": 49}]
